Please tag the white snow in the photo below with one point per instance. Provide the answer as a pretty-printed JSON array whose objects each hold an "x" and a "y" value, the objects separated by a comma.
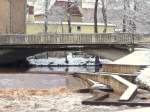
[
  {"x": 140, "y": 57},
  {"x": 63, "y": 102},
  {"x": 62, "y": 61},
  {"x": 144, "y": 77},
  {"x": 39, "y": 6},
  {"x": 97, "y": 84},
  {"x": 129, "y": 91}
]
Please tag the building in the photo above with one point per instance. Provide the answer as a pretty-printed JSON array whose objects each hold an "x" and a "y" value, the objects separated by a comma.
[
  {"x": 12, "y": 16},
  {"x": 30, "y": 12},
  {"x": 77, "y": 27},
  {"x": 58, "y": 11}
]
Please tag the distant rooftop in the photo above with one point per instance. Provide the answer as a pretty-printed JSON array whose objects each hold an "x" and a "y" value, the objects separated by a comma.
[{"x": 74, "y": 23}]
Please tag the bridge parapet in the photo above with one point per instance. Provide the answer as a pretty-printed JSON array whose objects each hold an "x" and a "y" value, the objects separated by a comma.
[{"x": 75, "y": 39}]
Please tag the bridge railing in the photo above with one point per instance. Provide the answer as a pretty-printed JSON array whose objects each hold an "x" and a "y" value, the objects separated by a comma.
[{"x": 100, "y": 38}]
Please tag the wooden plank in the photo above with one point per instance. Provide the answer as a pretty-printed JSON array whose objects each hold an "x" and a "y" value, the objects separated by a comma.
[
  {"x": 99, "y": 94},
  {"x": 117, "y": 103},
  {"x": 99, "y": 97}
]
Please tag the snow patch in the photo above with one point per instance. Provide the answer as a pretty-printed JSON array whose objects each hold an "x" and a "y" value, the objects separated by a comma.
[
  {"x": 144, "y": 78},
  {"x": 136, "y": 58},
  {"x": 70, "y": 60},
  {"x": 39, "y": 6}
]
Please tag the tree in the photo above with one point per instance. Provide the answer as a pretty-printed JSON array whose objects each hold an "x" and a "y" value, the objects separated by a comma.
[
  {"x": 46, "y": 16},
  {"x": 130, "y": 13},
  {"x": 69, "y": 17},
  {"x": 95, "y": 16},
  {"x": 134, "y": 24},
  {"x": 125, "y": 16},
  {"x": 104, "y": 7}
]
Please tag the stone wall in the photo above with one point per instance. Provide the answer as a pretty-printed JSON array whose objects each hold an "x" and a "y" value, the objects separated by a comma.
[{"x": 12, "y": 16}]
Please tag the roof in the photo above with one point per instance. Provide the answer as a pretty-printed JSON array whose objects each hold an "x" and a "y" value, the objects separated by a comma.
[
  {"x": 74, "y": 10},
  {"x": 40, "y": 6}
]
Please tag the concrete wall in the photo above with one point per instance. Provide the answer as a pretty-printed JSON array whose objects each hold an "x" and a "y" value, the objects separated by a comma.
[
  {"x": 117, "y": 86},
  {"x": 12, "y": 16},
  {"x": 4, "y": 16},
  {"x": 116, "y": 68}
]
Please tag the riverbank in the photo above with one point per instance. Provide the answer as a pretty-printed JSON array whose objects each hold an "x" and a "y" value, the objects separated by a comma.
[
  {"x": 59, "y": 95},
  {"x": 63, "y": 102}
]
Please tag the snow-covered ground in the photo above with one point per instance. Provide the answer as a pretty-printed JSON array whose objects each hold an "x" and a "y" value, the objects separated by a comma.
[
  {"x": 70, "y": 61},
  {"x": 144, "y": 78},
  {"x": 138, "y": 57},
  {"x": 69, "y": 102}
]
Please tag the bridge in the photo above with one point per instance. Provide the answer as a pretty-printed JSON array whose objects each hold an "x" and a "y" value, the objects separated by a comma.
[{"x": 16, "y": 47}]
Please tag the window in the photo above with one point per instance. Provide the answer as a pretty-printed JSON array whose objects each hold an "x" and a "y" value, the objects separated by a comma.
[{"x": 78, "y": 28}]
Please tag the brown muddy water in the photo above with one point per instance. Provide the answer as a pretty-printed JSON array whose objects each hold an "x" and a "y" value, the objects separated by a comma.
[
  {"x": 45, "y": 90},
  {"x": 42, "y": 78}
]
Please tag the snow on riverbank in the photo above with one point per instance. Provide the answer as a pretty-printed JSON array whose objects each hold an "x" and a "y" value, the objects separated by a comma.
[
  {"x": 141, "y": 57},
  {"x": 70, "y": 60},
  {"x": 144, "y": 78},
  {"x": 69, "y": 102}
]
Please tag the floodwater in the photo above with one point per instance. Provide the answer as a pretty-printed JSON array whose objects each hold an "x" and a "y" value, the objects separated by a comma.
[
  {"x": 18, "y": 100},
  {"x": 42, "y": 77}
]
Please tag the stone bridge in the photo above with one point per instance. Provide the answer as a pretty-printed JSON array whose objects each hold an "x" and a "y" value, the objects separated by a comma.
[{"x": 16, "y": 47}]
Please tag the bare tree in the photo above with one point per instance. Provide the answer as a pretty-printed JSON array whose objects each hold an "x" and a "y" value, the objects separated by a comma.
[
  {"x": 95, "y": 16},
  {"x": 69, "y": 17},
  {"x": 104, "y": 8},
  {"x": 125, "y": 16},
  {"x": 134, "y": 24},
  {"x": 46, "y": 16}
]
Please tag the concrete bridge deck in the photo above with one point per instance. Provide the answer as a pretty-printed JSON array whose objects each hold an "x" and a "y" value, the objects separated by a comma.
[
  {"x": 70, "y": 39},
  {"x": 14, "y": 47}
]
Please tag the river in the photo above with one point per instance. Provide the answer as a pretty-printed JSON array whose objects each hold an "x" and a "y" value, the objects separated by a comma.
[{"x": 47, "y": 72}]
